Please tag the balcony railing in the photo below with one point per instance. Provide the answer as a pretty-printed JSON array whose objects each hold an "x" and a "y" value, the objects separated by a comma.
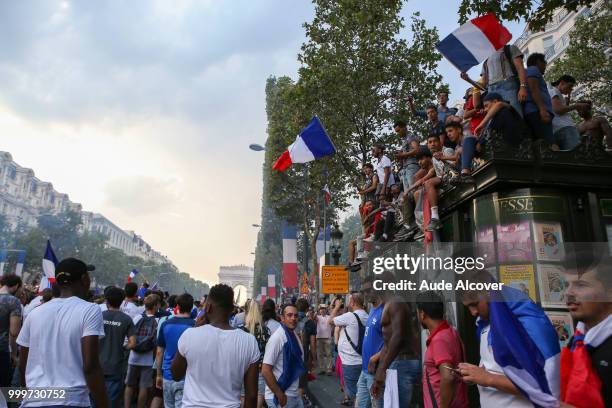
[{"x": 558, "y": 47}]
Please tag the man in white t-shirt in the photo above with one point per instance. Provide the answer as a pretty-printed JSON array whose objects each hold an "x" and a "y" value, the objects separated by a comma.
[
  {"x": 282, "y": 378},
  {"x": 565, "y": 133},
  {"x": 349, "y": 348},
  {"x": 216, "y": 360},
  {"x": 59, "y": 343},
  {"x": 384, "y": 171},
  {"x": 324, "y": 331},
  {"x": 494, "y": 387},
  {"x": 129, "y": 306}
]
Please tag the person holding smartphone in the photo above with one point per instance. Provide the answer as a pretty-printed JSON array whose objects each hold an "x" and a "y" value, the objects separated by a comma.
[{"x": 442, "y": 387}]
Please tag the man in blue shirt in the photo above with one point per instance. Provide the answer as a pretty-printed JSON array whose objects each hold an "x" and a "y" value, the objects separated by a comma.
[
  {"x": 538, "y": 107},
  {"x": 167, "y": 345},
  {"x": 372, "y": 344}
]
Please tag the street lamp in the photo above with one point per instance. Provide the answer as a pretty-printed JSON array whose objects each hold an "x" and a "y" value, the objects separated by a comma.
[
  {"x": 256, "y": 147},
  {"x": 336, "y": 243}
]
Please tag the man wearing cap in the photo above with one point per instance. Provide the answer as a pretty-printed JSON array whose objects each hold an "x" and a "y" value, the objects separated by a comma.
[
  {"x": 323, "y": 340},
  {"x": 59, "y": 342}
]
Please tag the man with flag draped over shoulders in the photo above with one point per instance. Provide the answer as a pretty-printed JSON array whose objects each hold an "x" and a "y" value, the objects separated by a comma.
[
  {"x": 519, "y": 348},
  {"x": 586, "y": 362},
  {"x": 283, "y": 363}
]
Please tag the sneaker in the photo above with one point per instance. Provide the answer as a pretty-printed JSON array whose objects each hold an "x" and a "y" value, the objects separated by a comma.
[
  {"x": 419, "y": 237},
  {"x": 434, "y": 224},
  {"x": 369, "y": 239},
  {"x": 355, "y": 267},
  {"x": 362, "y": 256}
]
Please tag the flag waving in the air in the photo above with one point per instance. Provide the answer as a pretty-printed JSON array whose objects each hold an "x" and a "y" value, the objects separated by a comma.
[
  {"x": 49, "y": 263},
  {"x": 132, "y": 275},
  {"x": 327, "y": 195},
  {"x": 474, "y": 42},
  {"x": 312, "y": 143}
]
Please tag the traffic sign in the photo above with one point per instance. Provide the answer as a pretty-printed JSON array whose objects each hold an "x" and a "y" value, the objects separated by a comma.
[{"x": 334, "y": 279}]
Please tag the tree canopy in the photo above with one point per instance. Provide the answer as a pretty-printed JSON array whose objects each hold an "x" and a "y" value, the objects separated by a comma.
[
  {"x": 586, "y": 59},
  {"x": 537, "y": 14}
]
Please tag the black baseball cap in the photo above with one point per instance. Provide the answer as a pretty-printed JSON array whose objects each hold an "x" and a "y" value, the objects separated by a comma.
[{"x": 71, "y": 269}]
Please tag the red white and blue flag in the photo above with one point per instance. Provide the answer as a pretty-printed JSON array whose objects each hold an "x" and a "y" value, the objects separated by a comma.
[
  {"x": 290, "y": 275},
  {"x": 49, "y": 263},
  {"x": 312, "y": 143},
  {"x": 327, "y": 195},
  {"x": 132, "y": 275},
  {"x": 474, "y": 42}
]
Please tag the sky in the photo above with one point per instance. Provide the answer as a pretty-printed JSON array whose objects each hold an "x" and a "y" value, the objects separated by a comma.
[{"x": 143, "y": 110}]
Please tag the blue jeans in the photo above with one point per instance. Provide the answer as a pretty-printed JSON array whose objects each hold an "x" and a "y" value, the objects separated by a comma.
[
  {"x": 508, "y": 89},
  {"x": 173, "y": 393},
  {"x": 351, "y": 377},
  {"x": 114, "y": 390},
  {"x": 408, "y": 374},
  {"x": 407, "y": 173},
  {"x": 539, "y": 129},
  {"x": 364, "y": 399},
  {"x": 292, "y": 402},
  {"x": 567, "y": 138},
  {"x": 468, "y": 150}
]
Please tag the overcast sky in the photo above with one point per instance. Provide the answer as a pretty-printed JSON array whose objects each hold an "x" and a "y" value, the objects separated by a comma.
[{"x": 143, "y": 110}]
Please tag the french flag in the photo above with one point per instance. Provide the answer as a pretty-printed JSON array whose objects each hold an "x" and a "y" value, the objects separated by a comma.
[
  {"x": 474, "y": 42},
  {"x": 312, "y": 143},
  {"x": 49, "y": 263},
  {"x": 290, "y": 278},
  {"x": 327, "y": 195},
  {"x": 525, "y": 345},
  {"x": 132, "y": 275}
]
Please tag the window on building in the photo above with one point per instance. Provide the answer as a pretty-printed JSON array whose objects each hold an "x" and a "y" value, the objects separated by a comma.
[{"x": 547, "y": 43}]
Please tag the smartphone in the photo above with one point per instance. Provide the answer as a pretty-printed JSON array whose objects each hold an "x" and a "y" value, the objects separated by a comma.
[{"x": 453, "y": 370}]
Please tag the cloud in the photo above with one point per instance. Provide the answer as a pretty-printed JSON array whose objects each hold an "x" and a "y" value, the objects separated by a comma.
[
  {"x": 83, "y": 61},
  {"x": 143, "y": 195}
]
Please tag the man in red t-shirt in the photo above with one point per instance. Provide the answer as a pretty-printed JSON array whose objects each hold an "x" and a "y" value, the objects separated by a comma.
[{"x": 444, "y": 352}]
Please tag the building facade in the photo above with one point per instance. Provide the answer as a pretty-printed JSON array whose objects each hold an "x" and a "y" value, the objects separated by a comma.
[
  {"x": 23, "y": 198},
  {"x": 555, "y": 37},
  {"x": 237, "y": 275}
]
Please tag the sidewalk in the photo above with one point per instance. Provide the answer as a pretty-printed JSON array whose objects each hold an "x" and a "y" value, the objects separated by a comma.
[{"x": 324, "y": 392}]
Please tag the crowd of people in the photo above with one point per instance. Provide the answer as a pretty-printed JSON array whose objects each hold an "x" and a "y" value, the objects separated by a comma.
[
  {"x": 172, "y": 351},
  {"x": 510, "y": 101}
]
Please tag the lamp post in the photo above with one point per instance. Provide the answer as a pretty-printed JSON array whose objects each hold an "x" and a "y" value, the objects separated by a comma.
[{"x": 336, "y": 243}]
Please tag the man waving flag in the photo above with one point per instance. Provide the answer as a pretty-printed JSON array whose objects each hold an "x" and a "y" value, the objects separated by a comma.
[{"x": 312, "y": 143}]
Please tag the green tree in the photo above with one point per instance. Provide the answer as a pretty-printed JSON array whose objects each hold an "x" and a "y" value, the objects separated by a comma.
[
  {"x": 356, "y": 75},
  {"x": 586, "y": 60},
  {"x": 536, "y": 13}
]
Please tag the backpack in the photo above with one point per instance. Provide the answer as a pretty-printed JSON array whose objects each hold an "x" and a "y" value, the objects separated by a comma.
[
  {"x": 146, "y": 334},
  {"x": 359, "y": 347},
  {"x": 262, "y": 335}
]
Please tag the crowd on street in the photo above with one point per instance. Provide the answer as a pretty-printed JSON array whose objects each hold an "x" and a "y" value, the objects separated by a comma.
[
  {"x": 511, "y": 101},
  {"x": 145, "y": 348}
]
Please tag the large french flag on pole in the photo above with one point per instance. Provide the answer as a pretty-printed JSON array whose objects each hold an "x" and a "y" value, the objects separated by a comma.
[
  {"x": 312, "y": 143},
  {"x": 474, "y": 42},
  {"x": 290, "y": 278},
  {"x": 525, "y": 345},
  {"x": 49, "y": 263}
]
